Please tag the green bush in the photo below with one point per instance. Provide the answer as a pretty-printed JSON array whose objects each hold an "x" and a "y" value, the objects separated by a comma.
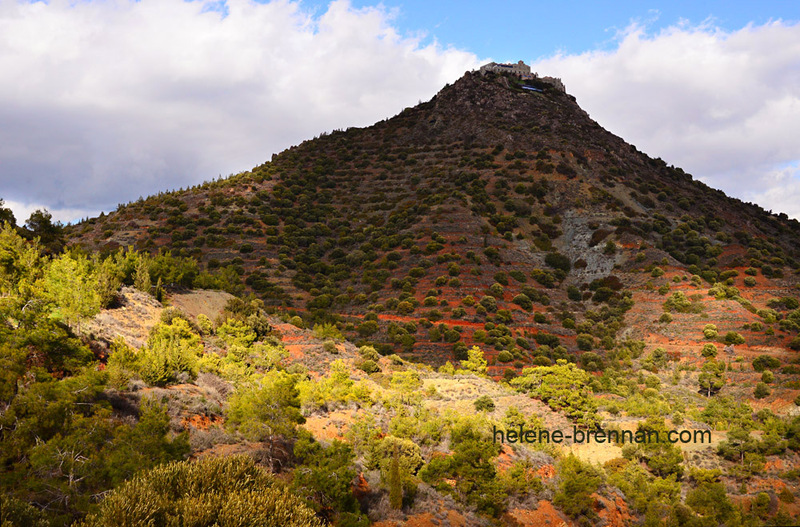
[
  {"x": 585, "y": 342},
  {"x": 763, "y": 362},
  {"x": 225, "y": 491},
  {"x": 558, "y": 261},
  {"x": 369, "y": 366},
  {"x": 505, "y": 356},
  {"x": 578, "y": 481},
  {"x": 710, "y": 331},
  {"x": 523, "y": 301},
  {"x": 484, "y": 403},
  {"x": 732, "y": 337},
  {"x": 171, "y": 349},
  {"x": 679, "y": 302},
  {"x": 709, "y": 351},
  {"x": 761, "y": 391}
]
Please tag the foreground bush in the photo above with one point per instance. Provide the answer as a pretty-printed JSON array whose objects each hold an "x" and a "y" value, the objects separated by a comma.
[{"x": 219, "y": 491}]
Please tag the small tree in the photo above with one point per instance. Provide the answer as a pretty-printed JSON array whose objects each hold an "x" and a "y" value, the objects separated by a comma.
[
  {"x": 484, "y": 403},
  {"x": 395, "y": 481},
  {"x": 709, "y": 351},
  {"x": 712, "y": 378},
  {"x": 72, "y": 288},
  {"x": 475, "y": 362},
  {"x": 761, "y": 391}
]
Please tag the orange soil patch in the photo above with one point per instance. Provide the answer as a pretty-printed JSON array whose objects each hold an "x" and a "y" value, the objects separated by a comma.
[
  {"x": 546, "y": 472},
  {"x": 202, "y": 422},
  {"x": 614, "y": 512},
  {"x": 544, "y": 515},
  {"x": 295, "y": 351},
  {"x": 333, "y": 425}
]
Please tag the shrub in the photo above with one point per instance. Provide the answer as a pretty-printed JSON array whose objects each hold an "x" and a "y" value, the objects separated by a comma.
[
  {"x": 327, "y": 331},
  {"x": 680, "y": 303},
  {"x": 475, "y": 361},
  {"x": 489, "y": 303},
  {"x": 369, "y": 366},
  {"x": 171, "y": 349},
  {"x": 367, "y": 328},
  {"x": 585, "y": 342},
  {"x": 368, "y": 353},
  {"x": 761, "y": 391},
  {"x": 665, "y": 318},
  {"x": 763, "y": 362},
  {"x": 710, "y": 331},
  {"x": 578, "y": 481},
  {"x": 709, "y": 351},
  {"x": 574, "y": 294},
  {"x": 225, "y": 491},
  {"x": 749, "y": 281},
  {"x": 523, "y": 301},
  {"x": 484, "y": 403},
  {"x": 656, "y": 272},
  {"x": 204, "y": 323},
  {"x": 732, "y": 337},
  {"x": 558, "y": 261},
  {"x": 496, "y": 290},
  {"x": 505, "y": 356},
  {"x": 767, "y": 377}
]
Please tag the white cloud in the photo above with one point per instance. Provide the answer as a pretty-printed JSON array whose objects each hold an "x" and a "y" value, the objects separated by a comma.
[
  {"x": 101, "y": 102},
  {"x": 723, "y": 105}
]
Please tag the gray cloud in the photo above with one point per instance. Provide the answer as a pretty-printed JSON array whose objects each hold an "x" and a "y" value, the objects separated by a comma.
[
  {"x": 725, "y": 106},
  {"x": 101, "y": 102}
]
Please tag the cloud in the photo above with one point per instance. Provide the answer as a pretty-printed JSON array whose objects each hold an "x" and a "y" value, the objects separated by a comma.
[
  {"x": 723, "y": 105},
  {"x": 101, "y": 102}
]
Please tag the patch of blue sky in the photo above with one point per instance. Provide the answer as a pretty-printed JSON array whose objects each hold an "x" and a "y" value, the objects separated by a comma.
[{"x": 502, "y": 30}]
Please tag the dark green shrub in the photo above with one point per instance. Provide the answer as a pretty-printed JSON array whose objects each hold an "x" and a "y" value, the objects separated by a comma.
[
  {"x": 558, "y": 261},
  {"x": 484, "y": 403},
  {"x": 523, "y": 301},
  {"x": 709, "y": 351},
  {"x": 369, "y": 366},
  {"x": 585, "y": 342},
  {"x": 505, "y": 356},
  {"x": 732, "y": 337},
  {"x": 763, "y": 362}
]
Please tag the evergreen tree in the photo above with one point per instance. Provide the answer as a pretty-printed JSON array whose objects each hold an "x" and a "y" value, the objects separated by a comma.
[{"x": 395, "y": 482}]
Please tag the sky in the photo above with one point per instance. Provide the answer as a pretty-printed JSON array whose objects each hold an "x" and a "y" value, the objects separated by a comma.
[{"x": 104, "y": 101}]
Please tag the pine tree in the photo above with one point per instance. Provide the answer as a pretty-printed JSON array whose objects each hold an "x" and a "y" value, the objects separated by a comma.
[
  {"x": 159, "y": 291},
  {"x": 142, "y": 279},
  {"x": 395, "y": 481}
]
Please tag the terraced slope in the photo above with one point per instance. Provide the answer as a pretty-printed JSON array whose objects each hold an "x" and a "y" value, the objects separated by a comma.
[{"x": 487, "y": 204}]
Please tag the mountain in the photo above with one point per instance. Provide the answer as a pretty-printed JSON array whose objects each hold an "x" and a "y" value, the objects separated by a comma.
[{"x": 492, "y": 203}]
